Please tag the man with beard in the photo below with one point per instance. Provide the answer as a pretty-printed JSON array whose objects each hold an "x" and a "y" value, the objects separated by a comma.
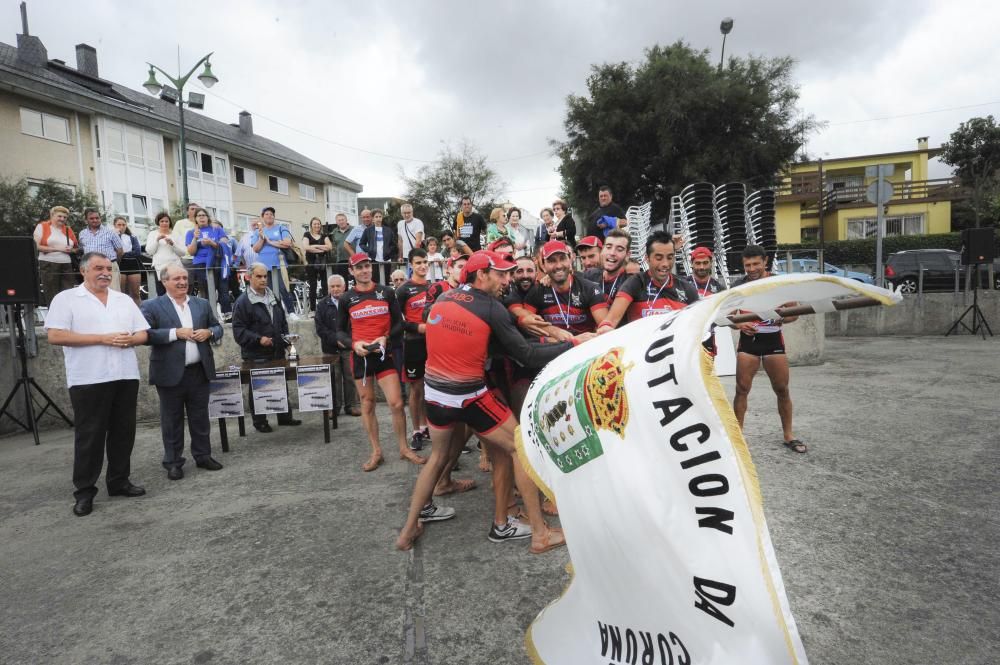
[
  {"x": 589, "y": 251},
  {"x": 761, "y": 342},
  {"x": 611, "y": 275},
  {"x": 701, "y": 273},
  {"x": 655, "y": 291},
  {"x": 703, "y": 282},
  {"x": 461, "y": 326}
]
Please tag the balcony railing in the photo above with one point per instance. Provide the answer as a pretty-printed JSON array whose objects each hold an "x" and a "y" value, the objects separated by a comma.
[{"x": 806, "y": 189}]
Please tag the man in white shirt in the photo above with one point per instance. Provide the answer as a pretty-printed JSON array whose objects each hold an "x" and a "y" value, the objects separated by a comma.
[
  {"x": 181, "y": 365},
  {"x": 97, "y": 328},
  {"x": 410, "y": 231}
]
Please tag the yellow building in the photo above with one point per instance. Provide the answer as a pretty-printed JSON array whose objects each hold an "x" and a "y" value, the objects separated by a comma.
[{"x": 919, "y": 205}]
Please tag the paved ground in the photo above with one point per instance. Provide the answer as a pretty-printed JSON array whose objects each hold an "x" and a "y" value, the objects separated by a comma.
[{"x": 887, "y": 533}]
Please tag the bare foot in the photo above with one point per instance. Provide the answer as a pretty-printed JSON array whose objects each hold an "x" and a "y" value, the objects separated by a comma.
[
  {"x": 412, "y": 457},
  {"x": 549, "y": 508},
  {"x": 484, "y": 461},
  {"x": 374, "y": 462},
  {"x": 454, "y": 487},
  {"x": 407, "y": 538},
  {"x": 549, "y": 539}
]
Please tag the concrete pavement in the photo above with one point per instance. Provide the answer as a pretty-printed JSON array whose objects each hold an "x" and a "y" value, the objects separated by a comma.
[{"x": 887, "y": 533}]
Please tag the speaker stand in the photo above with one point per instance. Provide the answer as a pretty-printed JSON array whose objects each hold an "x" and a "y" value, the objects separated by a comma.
[
  {"x": 979, "y": 324},
  {"x": 26, "y": 383}
]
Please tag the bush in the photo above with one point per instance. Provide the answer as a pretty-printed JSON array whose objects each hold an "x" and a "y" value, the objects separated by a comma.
[
  {"x": 862, "y": 252},
  {"x": 20, "y": 210}
]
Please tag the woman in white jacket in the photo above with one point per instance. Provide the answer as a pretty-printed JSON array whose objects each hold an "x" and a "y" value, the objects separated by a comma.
[{"x": 161, "y": 247}]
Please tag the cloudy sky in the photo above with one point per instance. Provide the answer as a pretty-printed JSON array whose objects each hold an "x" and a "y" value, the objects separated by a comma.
[{"x": 372, "y": 88}]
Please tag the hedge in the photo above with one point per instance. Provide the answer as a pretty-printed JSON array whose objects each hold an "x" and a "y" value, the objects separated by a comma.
[{"x": 862, "y": 252}]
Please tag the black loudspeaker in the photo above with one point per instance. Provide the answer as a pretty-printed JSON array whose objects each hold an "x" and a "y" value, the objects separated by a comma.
[
  {"x": 978, "y": 245},
  {"x": 18, "y": 271}
]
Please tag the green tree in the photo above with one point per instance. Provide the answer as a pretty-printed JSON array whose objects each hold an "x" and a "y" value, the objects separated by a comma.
[
  {"x": 650, "y": 129},
  {"x": 22, "y": 206},
  {"x": 436, "y": 189},
  {"x": 974, "y": 151}
]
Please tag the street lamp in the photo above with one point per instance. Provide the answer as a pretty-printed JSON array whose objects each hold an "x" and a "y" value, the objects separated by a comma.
[
  {"x": 725, "y": 28},
  {"x": 153, "y": 87}
]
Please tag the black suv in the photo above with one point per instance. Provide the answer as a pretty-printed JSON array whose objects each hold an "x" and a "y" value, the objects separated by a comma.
[{"x": 902, "y": 270}]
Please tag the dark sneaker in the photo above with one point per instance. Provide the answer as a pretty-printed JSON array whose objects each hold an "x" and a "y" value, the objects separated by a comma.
[
  {"x": 416, "y": 441},
  {"x": 513, "y": 529},
  {"x": 432, "y": 513}
]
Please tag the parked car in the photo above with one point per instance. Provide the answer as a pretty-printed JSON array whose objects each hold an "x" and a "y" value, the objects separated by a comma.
[
  {"x": 939, "y": 266},
  {"x": 812, "y": 265}
]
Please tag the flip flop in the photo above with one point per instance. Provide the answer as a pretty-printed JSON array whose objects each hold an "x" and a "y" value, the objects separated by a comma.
[
  {"x": 457, "y": 487},
  {"x": 549, "y": 544},
  {"x": 795, "y": 446},
  {"x": 373, "y": 463}
]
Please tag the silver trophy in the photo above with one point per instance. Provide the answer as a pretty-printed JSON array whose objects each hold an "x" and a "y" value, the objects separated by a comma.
[{"x": 290, "y": 339}]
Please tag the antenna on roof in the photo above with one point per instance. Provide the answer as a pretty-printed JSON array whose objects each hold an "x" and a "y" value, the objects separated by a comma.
[{"x": 24, "y": 17}]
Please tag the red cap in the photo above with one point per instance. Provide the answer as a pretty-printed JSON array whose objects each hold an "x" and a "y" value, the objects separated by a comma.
[
  {"x": 701, "y": 253},
  {"x": 589, "y": 241},
  {"x": 485, "y": 259},
  {"x": 360, "y": 257},
  {"x": 500, "y": 242},
  {"x": 554, "y": 247}
]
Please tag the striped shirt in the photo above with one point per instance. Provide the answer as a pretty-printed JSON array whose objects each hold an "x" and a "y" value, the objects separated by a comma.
[{"x": 103, "y": 241}]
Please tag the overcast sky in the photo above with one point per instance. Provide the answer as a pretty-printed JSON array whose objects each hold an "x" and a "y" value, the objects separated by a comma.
[{"x": 339, "y": 81}]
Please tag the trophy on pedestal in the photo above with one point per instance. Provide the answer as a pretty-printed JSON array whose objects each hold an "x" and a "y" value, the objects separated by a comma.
[{"x": 290, "y": 339}]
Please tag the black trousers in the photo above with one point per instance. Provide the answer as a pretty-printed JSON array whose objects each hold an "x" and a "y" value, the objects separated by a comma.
[
  {"x": 104, "y": 419},
  {"x": 191, "y": 396},
  {"x": 316, "y": 279}
]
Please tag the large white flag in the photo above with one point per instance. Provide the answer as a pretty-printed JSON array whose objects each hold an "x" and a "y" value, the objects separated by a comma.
[{"x": 634, "y": 437}]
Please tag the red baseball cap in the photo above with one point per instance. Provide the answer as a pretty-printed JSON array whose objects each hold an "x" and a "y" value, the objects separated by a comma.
[
  {"x": 500, "y": 242},
  {"x": 485, "y": 259},
  {"x": 589, "y": 241},
  {"x": 554, "y": 247},
  {"x": 701, "y": 253},
  {"x": 360, "y": 257}
]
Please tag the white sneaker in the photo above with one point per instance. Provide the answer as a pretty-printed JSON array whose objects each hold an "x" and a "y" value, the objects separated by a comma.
[
  {"x": 292, "y": 316},
  {"x": 513, "y": 529},
  {"x": 432, "y": 513}
]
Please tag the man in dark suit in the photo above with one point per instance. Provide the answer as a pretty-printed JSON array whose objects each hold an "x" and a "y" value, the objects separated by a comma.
[
  {"x": 181, "y": 365},
  {"x": 344, "y": 393}
]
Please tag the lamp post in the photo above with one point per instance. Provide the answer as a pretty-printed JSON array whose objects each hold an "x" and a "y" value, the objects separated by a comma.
[
  {"x": 725, "y": 28},
  {"x": 153, "y": 87}
]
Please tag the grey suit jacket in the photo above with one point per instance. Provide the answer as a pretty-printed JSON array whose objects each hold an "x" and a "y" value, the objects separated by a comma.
[{"x": 166, "y": 359}]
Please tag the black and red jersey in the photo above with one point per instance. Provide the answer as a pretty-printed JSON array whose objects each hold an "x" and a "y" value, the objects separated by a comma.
[
  {"x": 766, "y": 326},
  {"x": 572, "y": 310},
  {"x": 646, "y": 297},
  {"x": 412, "y": 297},
  {"x": 461, "y": 325},
  {"x": 435, "y": 291},
  {"x": 609, "y": 287},
  {"x": 706, "y": 289},
  {"x": 364, "y": 316}
]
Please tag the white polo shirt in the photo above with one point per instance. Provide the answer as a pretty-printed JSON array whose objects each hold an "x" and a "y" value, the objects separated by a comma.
[{"x": 78, "y": 310}]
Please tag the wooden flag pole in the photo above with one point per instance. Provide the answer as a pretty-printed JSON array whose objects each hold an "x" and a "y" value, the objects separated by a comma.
[{"x": 855, "y": 302}]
